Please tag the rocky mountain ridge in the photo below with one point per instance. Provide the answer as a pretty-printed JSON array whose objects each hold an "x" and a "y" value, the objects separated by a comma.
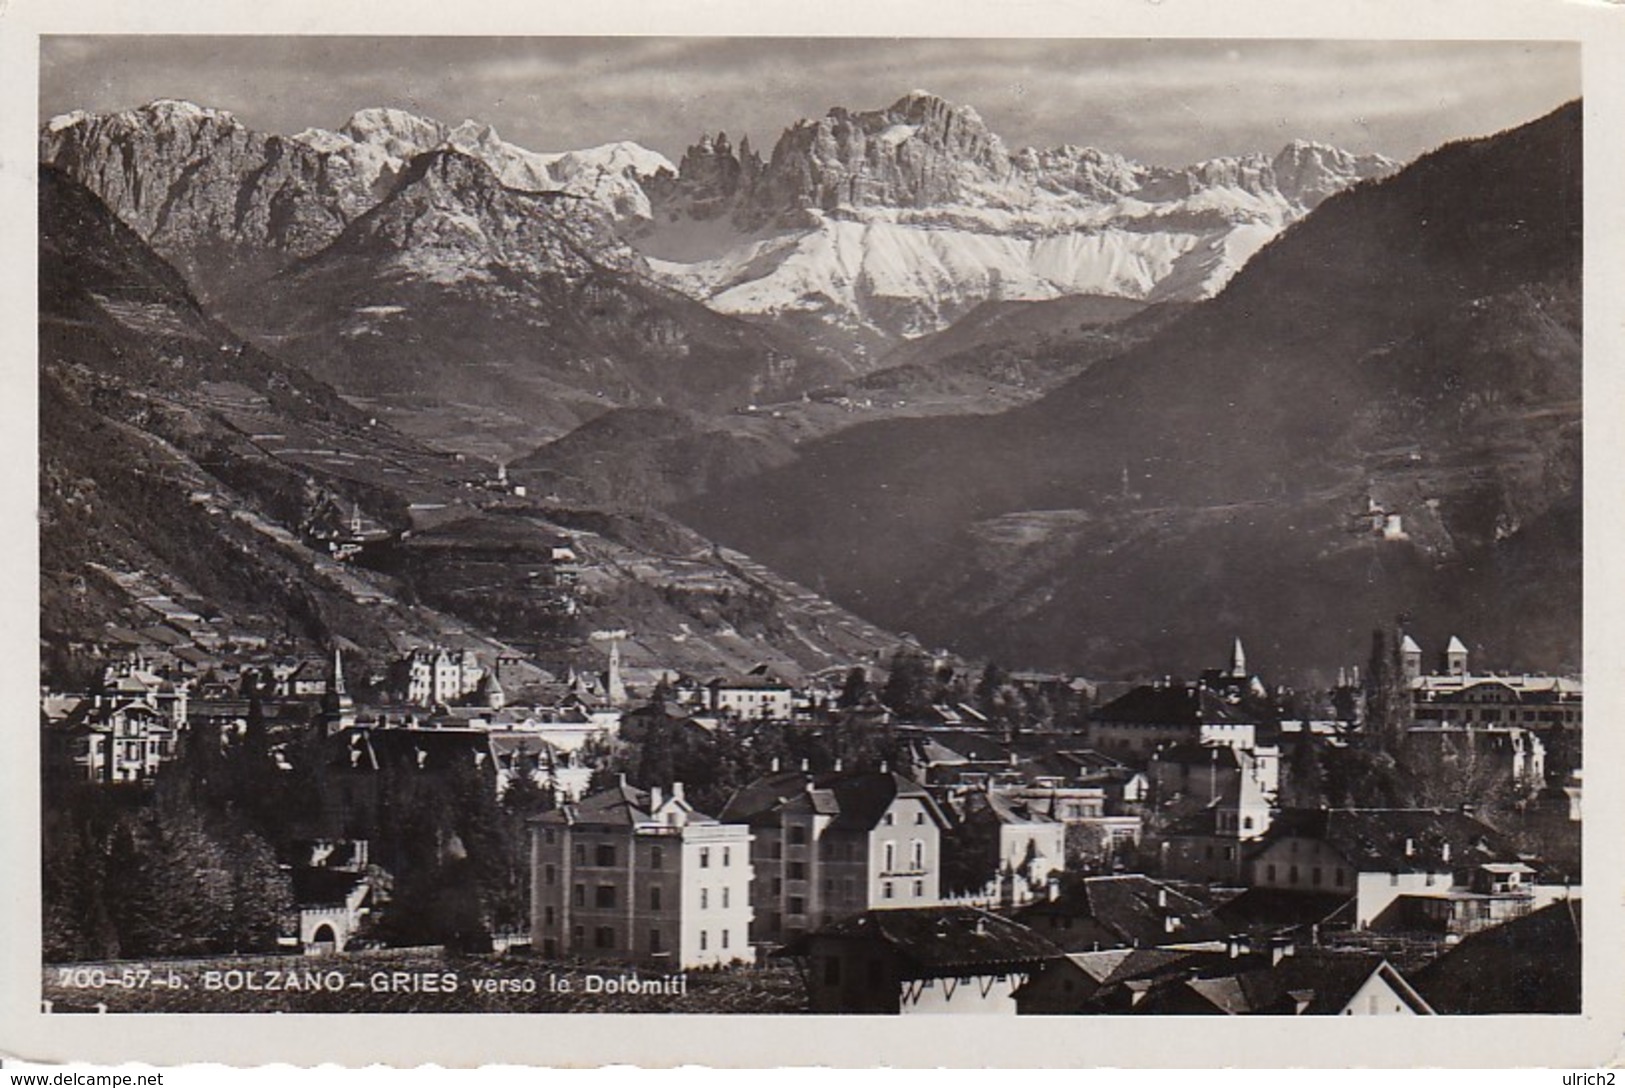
[
  {"x": 486, "y": 318},
  {"x": 229, "y": 205},
  {"x": 860, "y": 229},
  {"x": 891, "y": 223}
]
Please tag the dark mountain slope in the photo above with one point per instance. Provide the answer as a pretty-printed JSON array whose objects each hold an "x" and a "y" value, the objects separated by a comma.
[
  {"x": 1414, "y": 344},
  {"x": 456, "y": 291},
  {"x": 143, "y": 487},
  {"x": 645, "y": 458},
  {"x": 181, "y": 468},
  {"x": 1006, "y": 354}
]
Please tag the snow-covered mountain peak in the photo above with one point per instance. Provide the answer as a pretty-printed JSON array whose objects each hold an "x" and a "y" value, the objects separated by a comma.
[
  {"x": 386, "y": 124},
  {"x": 63, "y": 121},
  {"x": 179, "y": 109}
]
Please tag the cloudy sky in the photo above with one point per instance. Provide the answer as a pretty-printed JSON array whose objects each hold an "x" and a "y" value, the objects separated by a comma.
[{"x": 1166, "y": 101}]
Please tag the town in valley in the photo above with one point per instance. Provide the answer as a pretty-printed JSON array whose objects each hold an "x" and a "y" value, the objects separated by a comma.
[
  {"x": 894, "y": 569},
  {"x": 922, "y": 837}
]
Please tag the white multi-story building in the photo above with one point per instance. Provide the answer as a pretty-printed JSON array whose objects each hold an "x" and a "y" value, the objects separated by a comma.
[
  {"x": 637, "y": 877},
  {"x": 442, "y": 676}
]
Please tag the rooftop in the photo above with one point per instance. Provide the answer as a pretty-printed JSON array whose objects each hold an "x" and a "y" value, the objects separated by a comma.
[{"x": 937, "y": 942}]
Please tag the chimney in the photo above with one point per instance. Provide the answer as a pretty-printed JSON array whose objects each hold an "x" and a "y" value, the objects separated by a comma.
[
  {"x": 804, "y": 766},
  {"x": 655, "y": 798},
  {"x": 885, "y": 768},
  {"x": 1236, "y": 945},
  {"x": 1280, "y": 949},
  {"x": 837, "y": 764},
  {"x": 677, "y": 792},
  {"x": 775, "y": 764},
  {"x": 622, "y": 779},
  {"x": 1410, "y": 847},
  {"x": 1444, "y": 852},
  {"x": 1162, "y": 898}
]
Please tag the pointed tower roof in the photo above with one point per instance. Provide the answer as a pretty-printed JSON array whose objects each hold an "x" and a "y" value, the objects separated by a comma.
[
  {"x": 1455, "y": 646},
  {"x": 1408, "y": 645},
  {"x": 1238, "y": 660}
]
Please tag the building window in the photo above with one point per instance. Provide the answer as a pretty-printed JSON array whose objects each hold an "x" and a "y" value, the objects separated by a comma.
[
  {"x": 798, "y": 835},
  {"x": 705, "y": 857},
  {"x": 798, "y": 905},
  {"x": 578, "y": 936},
  {"x": 548, "y": 836},
  {"x": 726, "y": 857},
  {"x": 919, "y": 889},
  {"x": 796, "y": 870},
  {"x": 725, "y": 938},
  {"x": 603, "y": 937},
  {"x": 1314, "y": 876},
  {"x": 604, "y": 897},
  {"x": 703, "y": 939},
  {"x": 891, "y": 818},
  {"x": 654, "y": 897},
  {"x": 705, "y": 898},
  {"x": 581, "y": 895},
  {"x": 917, "y": 854},
  {"x": 581, "y": 854},
  {"x": 1292, "y": 875},
  {"x": 604, "y": 855},
  {"x": 657, "y": 858},
  {"x": 725, "y": 898},
  {"x": 1338, "y": 877},
  {"x": 654, "y": 940},
  {"x": 919, "y": 817},
  {"x": 886, "y": 890},
  {"x": 890, "y": 856},
  {"x": 1270, "y": 873},
  {"x": 549, "y": 874},
  {"x": 547, "y": 917}
]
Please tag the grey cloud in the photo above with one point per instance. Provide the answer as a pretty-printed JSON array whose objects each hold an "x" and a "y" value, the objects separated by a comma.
[{"x": 1164, "y": 100}]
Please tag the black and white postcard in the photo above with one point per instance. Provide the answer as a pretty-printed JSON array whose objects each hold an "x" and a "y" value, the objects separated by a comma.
[{"x": 656, "y": 518}]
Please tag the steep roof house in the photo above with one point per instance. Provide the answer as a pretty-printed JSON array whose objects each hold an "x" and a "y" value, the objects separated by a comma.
[
  {"x": 1529, "y": 965},
  {"x": 1090, "y": 914},
  {"x": 827, "y": 846},
  {"x": 919, "y": 960}
]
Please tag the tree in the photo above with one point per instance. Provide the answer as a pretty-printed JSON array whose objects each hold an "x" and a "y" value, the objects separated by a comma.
[
  {"x": 853, "y": 688},
  {"x": 988, "y": 688},
  {"x": 908, "y": 684},
  {"x": 1388, "y": 696}
]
